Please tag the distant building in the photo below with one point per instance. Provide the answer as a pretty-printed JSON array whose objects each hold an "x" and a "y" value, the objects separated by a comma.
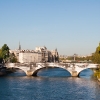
[
  {"x": 16, "y": 51},
  {"x": 26, "y": 56},
  {"x": 50, "y": 56},
  {"x": 47, "y": 55},
  {"x": 44, "y": 53},
  {"x": 55, "y": 55},
  {"x": 40, "y": 54}
]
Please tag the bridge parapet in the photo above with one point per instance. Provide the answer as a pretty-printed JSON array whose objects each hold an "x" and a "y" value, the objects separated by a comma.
[{"x": 10, "y": 65}]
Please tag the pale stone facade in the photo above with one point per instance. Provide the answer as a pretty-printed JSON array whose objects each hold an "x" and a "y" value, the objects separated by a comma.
[
  {"x": 40, "y": 54},
  {"x": 29, "y": 57},
  {"x": 48, "y": 56},
  {"x": 55, "y": 55},
  {"x": 44, "y": 53}
]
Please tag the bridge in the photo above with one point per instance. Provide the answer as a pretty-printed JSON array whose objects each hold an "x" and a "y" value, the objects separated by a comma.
[{"x": 32, "y": 69}]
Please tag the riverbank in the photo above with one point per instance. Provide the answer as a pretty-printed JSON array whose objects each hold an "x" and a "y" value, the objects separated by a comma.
[
  {"x": 4, "y": 71},
  {"x": 98, "y": 78},
  {"x": 97, "y": 74}
]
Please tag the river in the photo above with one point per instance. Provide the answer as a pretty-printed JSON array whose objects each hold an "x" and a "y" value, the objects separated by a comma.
[{"x": 50, "y": 84}]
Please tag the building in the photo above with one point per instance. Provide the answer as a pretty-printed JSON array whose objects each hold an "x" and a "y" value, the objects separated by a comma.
[
  {"x": 27, "y": 56},
  {"x": 55, "y": 55},
  {"x": 47, "y": 55},
  {"x": 44, "y": 53},
  {"x": 40, "y": 54},
  {"x": 16, "y": 52}
]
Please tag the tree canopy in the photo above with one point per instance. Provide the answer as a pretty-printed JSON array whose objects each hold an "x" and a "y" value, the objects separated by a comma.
[
  {"x": 4, "y": 53},
  {"x": 96, "y": 55},
  {"x": 6, "y": 56}
]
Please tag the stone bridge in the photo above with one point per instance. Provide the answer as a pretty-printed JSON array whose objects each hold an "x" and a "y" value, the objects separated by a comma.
[{"x": 32, "y": 69}]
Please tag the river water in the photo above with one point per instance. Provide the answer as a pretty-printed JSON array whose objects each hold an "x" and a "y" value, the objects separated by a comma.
[{"x": 50, "y": 84}]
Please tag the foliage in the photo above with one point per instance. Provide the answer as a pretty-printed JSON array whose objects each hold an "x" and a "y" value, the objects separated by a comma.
[
  {"x": 96, "y": 55},
  {"x": 5, "y": 55},
  {"x": 97, "y": 73},
  {"x": 1, "y": 59},
  {"x": 12, "y": 58},
  {"x": 88, "y": 58}
]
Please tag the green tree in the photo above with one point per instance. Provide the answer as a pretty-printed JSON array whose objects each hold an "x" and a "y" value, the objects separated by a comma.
[
  {"x": 6, "y": 56},
  {"x": 1, "y": 59},
  {"x": 4, "y": 52},
  {"x": 12, "y": 58},
  {"x": 96, "y": 55}
]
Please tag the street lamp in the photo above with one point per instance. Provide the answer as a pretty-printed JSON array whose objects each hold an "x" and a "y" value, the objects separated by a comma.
[
  {"x": 54, "y": 58},
  {"x": 74, "y": 56}
]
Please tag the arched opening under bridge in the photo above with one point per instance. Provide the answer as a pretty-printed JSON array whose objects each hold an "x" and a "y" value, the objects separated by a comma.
[
  {"x": 16, "y": 72},
  {"x": 52, "y": 72},
  {"x": 86, "y": 73}
]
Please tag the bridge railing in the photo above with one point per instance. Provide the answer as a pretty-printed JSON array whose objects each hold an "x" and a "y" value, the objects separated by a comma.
[{"x": 18, "y": 64}]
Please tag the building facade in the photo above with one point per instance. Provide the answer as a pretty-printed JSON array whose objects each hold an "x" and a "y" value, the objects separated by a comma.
[
  {"x": 55, "y": 55},
  {"x": 48, "y": 56},
  {"x": 44, "y": 53},
  {"x": 26, "y": 56},
  {"x": 40, "y": 54}
]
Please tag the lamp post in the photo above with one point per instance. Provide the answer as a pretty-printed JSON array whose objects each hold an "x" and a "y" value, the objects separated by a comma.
[
  {"x": 74, "y": 56},
  {"x": 54, "y": 58}
]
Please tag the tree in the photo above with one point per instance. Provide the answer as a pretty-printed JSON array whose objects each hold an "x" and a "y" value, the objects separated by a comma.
[
  {"x": 12, "y": 58},
  {"x": 96, "y": 55},
  {"x": 1, "y": 59},
  {"x": 6, "y": 56},
  {"x": 4, "y": 52}
]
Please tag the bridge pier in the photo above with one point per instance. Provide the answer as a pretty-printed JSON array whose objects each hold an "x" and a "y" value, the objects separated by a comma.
[
  {"x": 74, "y": 74},
  {"x": 29, "y": 73}
]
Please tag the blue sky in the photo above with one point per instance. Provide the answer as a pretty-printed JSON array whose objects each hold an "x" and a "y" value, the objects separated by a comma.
[{"x": 71, "y": 26}]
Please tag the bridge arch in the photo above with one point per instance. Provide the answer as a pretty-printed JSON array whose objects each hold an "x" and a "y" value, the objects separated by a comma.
[
  {"x": 18, "y": 66},
  {"x": 82, "y": 71},
  {"x": 43, "y": 67},
  {"x": 80, "y": 67},
  {"x": 90, "y": 66}
]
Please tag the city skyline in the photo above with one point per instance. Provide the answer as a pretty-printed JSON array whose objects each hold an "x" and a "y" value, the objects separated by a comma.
[{"x": 71, "y": 26}]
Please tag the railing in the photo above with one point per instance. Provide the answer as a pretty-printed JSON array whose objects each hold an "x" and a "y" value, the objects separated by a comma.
[{"x": 46, "y": 64}]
